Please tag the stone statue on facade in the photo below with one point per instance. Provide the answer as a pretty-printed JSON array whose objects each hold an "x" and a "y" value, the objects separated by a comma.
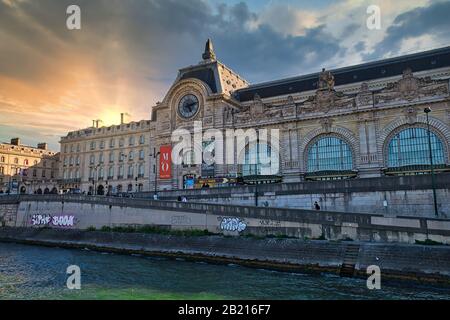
[{"x": 326, "y": 80}]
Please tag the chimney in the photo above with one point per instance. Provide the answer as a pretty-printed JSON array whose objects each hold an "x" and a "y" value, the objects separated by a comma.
[
  {"x": 93, "y": 123},
  {"x": 121, "y": 118},
  {"x": 42, "y": 146},
  {"x": 15, "y": 141}
]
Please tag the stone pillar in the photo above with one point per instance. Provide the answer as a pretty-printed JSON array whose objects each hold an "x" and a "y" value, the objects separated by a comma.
[{"x": 369, "y": 164}]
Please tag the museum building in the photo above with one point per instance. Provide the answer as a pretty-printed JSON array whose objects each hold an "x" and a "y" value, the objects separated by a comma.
[{"x": 360, "y": 121}]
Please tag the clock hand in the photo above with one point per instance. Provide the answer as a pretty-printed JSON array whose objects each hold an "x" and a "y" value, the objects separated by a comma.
[{"x": 190, "y": 106}]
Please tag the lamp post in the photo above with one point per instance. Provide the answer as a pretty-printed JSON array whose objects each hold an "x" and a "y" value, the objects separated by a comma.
[
  {"x": 427, "y": 110},
  {"x": 155, "y": 156}
]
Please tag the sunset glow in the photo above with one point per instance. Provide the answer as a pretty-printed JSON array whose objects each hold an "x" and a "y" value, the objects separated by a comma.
[{"x": 126, "y": 54}]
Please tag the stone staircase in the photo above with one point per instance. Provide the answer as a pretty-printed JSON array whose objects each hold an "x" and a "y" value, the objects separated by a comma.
[{"x": 350, "y": 259}]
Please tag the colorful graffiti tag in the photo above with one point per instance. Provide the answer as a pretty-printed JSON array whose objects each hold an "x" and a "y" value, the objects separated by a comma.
[
  {"x": 57, "y": 221},
  {"x": 232, "y": 224}
]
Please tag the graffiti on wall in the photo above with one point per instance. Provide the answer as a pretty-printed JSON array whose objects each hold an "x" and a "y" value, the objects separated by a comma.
[
  {"x": 180, "y": 220},
  {"x": 232, "y": 224},
  {"x": 57, "y": 221}
]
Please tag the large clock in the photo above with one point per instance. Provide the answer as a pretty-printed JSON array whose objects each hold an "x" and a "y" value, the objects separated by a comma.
[{"x": 188, "y": 106}]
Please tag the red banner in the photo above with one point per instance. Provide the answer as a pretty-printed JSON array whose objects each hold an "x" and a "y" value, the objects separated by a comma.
[{"x": 165, "y": 162}]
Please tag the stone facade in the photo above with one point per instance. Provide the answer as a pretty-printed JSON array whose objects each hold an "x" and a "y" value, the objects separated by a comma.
[
  {"x": 25, "y": 169},
  {"x": 363, "y": 106},
  {"x": 110, "y": 159}
]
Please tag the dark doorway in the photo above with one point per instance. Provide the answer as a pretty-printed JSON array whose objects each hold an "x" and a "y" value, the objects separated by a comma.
[{"x": 100, "y": 190}]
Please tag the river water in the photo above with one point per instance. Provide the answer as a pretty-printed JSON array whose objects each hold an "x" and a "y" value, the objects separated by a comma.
[{"x": 33, "y": 272}]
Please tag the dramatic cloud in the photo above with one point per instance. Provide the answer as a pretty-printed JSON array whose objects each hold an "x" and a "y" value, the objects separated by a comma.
[
  {"x": 127, "y": 53},
  {"x": 427, "y": 24}
]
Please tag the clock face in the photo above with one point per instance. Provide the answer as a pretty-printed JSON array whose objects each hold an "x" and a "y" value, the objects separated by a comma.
[{"x": 188, "y": 106}]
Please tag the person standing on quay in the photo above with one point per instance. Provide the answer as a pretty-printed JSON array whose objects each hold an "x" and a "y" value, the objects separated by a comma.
[{"x": 316, "y": 206}]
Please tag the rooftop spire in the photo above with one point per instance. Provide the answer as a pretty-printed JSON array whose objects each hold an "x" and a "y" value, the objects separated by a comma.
[{"x": 209, "y": 51}]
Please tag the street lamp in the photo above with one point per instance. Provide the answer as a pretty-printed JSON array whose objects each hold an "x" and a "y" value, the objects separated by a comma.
[
  {"x": 427, "y": 110},
  {"x": 155, "y": 156}
]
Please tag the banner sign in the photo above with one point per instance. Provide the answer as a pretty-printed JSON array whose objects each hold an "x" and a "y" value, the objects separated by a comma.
[{"x": 165, "y": 162}]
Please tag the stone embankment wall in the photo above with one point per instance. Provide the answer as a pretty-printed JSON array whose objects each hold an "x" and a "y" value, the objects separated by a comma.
[
  {"x": 398, "y": 261},
  {"x": 390, "y": 196},
  {"x": 82, "y": 212},
  {"x": 8, "y": 213}
]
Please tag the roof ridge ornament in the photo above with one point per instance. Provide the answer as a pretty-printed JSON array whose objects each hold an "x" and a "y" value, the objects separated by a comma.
[{"x": 209, "y": 51}]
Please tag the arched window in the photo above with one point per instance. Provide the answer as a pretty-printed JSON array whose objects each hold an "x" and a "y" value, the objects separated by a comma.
[
  {"x": 329, "y": 154},
  {"x": 259, "y": 159},
  {"x": 410, "y": 147}
]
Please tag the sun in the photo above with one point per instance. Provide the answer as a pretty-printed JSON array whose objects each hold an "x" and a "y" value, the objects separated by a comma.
[{"x": 112, "y": 116}]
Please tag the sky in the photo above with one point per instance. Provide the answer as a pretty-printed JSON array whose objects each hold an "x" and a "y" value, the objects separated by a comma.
[{"x": 127, "y": 53}]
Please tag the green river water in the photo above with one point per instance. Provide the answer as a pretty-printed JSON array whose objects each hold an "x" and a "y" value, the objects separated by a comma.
[{"x": 33, "y": 272}]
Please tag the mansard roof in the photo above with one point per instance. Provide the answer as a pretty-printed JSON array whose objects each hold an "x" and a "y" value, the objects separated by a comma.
[{"x": 427, "y": 60}]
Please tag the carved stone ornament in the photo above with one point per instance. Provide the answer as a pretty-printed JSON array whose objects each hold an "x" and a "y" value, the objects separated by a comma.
[
  {"x": 326, "y": 124},
  {"x": 364, "y": 97},
  {"x": 408, "y": 86},
  {"x": 257, "y": 107},
  {"x": 411, "y": 115},
  {"x": 325, "y": 100}
]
